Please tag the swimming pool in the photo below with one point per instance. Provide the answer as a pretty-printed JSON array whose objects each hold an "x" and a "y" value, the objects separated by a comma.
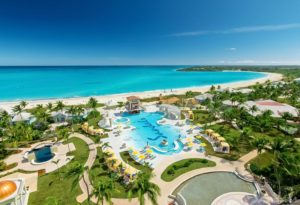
[
  {"x": 204, "y": 188},
  {"x": 42, "y": 154},
  {"x": 148, "y": 132},
  {"x": 122, "y": 120}
]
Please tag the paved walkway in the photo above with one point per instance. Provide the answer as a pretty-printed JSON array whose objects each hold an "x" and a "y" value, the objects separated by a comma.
[{"x": 89, "y": 163}]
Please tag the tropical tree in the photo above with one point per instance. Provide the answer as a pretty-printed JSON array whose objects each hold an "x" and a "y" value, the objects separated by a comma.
[
  {"x": 142, "y": 186},
  {"x": 277, "y": 146},
  {"x": 18, "y": 109},
  {"x": 77, "y": 170},
  {"x": 64, "y": 134},
  {"x": 103, "y": 191},
  {"x": 59, "y": 106},
  {"x": 49, "y": 106},
  {"x": 253, "y": 109},
  {"x": 23, "y": 104},
  {"x": 93, "y": 103},
  {"x": 259, "y": 143}
]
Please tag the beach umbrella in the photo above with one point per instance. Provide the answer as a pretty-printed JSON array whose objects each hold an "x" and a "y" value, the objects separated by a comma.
[
  {"x": 135, "y": 152},
  {"x": 203, "y": 144},
  {"x": 189, "y": 139},
  {"x": 190, "y": 144},
  {"x": 149, "y": 151},
  {"x": 198, "y": 137},
  {"x": 142, "y": 156}
]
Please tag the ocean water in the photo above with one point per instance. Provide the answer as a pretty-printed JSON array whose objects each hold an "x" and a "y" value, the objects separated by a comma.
[{"x": 18, "y": 83}]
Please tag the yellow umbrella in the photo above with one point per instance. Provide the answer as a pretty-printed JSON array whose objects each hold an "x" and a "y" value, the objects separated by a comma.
[
  {"x": 190, "y": 144},
  {"x": 203, "y": 144},
  {"x": 135, "y": 152},
  {"x": 198, "y": 137},
  {"x": 149, "y": 151},
  {"x": 142, "y": 156},
  {"x": 189, "y": 139}
]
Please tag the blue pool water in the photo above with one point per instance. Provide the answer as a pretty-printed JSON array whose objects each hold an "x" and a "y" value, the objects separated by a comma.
[
  {"x": 43, "y": 154},
  {"x": 60, "y": 82},
  {"x": 122, "y": 120},
  {"x": 149, "y": 131}
]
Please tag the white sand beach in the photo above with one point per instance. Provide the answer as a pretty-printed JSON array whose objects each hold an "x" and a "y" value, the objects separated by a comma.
[{"x": 146, "y": 94}]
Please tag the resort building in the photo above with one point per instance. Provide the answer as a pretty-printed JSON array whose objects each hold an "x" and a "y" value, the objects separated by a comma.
[
  {"x": 203, "y": 97},
  {"x": 172, "y": 112},
  {"x": 59, "y": 116},
  {"x": 23, "y": 117},
  {"x": 278, "y": 109},
  {"x": 13, "y": 192},
  {"x": 133, "y": 104},
  {"x": 243, "y": 90}
]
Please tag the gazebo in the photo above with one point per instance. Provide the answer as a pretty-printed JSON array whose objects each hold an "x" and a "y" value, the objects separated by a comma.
[
  {"x": 133, "y": 104},
  {"x": 13, "y": 192}
]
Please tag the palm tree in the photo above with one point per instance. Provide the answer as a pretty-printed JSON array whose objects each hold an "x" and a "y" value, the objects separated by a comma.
[
  {"x": 277, "y": 146},
  {"x": 72, "y": 111},
  {"x": 142, "y": 186},
  {"x": 103, "y": 191},
  {"x": 23, "y": 104},
  {"x": 59, "y": 106},
  {"x": 93, "y": 103},
  {"x": 64, "y": 134},
  {"x": 49, "y": 106},
  {"x": 259, "y": 143},
  {"x": 18, "y": 109},
  {"x": 77, "y": 171},
  {"x": 253, "y": 109}
]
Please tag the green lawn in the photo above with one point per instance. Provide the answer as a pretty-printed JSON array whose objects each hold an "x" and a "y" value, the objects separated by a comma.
[
  {"x": 100, "y": 172},
  {"x": 202, "y": 117},
  {"x": 50, "y": 185},
  {"x": 178, "y": 168},
  {"x": 127, "y": 158}
]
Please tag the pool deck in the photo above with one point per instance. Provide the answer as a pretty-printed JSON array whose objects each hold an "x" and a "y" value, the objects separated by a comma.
[{"x": 24, "y": 164}]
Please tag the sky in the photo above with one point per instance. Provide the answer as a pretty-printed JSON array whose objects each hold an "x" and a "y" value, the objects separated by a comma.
[{"x": 144, "y": 32}]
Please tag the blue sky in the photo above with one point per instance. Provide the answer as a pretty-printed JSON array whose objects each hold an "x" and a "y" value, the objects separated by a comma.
[{"x": 122, "y": 32}]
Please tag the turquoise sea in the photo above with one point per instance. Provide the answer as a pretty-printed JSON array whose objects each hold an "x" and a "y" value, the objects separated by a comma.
[{"x": 18, "y": 83}]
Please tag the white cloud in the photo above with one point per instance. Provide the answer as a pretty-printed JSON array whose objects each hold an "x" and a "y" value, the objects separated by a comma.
[
  {"x": 232, "y": 49},
  {"x": 245, "y": 29}
]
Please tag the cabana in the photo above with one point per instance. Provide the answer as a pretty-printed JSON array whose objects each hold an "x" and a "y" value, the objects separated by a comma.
[
  {"x": 188, "y": 114},
  {"x": 209, "y": 132},
  {"x": 90, "y": 129},
  {"x": 224, "y": 147}
]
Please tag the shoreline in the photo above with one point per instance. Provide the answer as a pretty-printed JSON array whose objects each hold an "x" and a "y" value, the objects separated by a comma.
[{"x": 8, "y": 105}]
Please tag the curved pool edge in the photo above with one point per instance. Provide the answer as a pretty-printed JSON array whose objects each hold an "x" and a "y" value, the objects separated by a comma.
[{"x": 173, "y": 192}]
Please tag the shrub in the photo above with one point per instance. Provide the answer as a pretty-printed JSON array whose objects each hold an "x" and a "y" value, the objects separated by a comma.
[{"x": 171, "y": 171}]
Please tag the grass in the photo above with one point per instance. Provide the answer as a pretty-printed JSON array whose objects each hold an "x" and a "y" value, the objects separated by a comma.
[
  {"x": 202, "y": 117},
  {"x": 127, "y": 158},
  {"x": 261, "y": 164},
  {"x": 51, "y": 185},
  {"x": 100, "y": 172},
  {"x": 178, "y": 168}
]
